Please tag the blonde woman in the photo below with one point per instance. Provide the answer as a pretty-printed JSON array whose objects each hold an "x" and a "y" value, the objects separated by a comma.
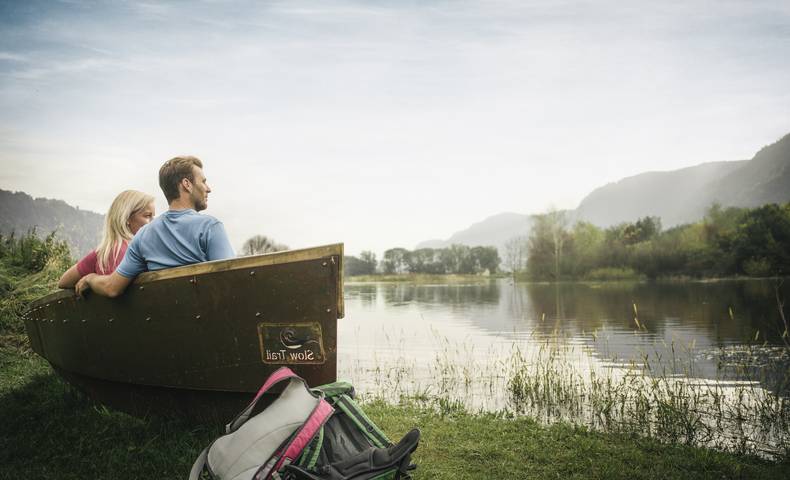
[{"x": 128, "y": 213}]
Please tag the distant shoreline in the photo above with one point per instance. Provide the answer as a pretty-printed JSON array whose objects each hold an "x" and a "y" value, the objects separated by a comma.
[{"x": 453, "y": 278}]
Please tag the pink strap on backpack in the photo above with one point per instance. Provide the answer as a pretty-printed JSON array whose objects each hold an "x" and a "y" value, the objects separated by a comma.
[
  {"x": 306, "y": 433},
  {"x": 281, "y": 374}
]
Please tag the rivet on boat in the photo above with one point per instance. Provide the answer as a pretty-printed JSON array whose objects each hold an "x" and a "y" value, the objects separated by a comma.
[
  {"x": 252, "y": 272},
  {"x": 110, "y": 320},
  {"x": 147, "y": 319},
  {"x": 257, "y": 314},
  {"x": 84, "y": 320},
  {"x": 328, "y": 310},
  {"x": 60, "y": 301},
  {"x": 142, "y": 287},
  {"x": 197, "y": 317},
  {"x": 191, "y": 280},
  {"x": 324, "y": 264},
  {"x": 65, "y": 320}
]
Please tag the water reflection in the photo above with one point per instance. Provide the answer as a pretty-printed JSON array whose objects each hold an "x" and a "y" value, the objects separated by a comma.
[{"x": 688, "y": 328}]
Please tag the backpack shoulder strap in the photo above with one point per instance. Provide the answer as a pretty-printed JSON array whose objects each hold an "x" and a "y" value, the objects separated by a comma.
[
  {"x": 280, "y": 375},
  {"x": 305, "y": 434},
  {"x": 200, "y": 463},
  {"x": 365, "y": 424}
]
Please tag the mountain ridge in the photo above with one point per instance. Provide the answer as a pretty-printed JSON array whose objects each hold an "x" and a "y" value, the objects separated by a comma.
[
  {"x": 676, "y": 196},
  {"x": 20, "y": 212}
]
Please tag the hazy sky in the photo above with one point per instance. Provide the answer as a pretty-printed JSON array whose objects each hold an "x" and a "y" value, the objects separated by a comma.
[{"x": 382, "y": 124}]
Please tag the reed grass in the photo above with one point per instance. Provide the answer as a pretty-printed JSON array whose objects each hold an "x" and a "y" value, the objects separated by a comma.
[{"x": 653, "y": 396}]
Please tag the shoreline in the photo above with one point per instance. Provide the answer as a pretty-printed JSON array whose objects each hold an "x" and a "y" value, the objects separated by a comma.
[
  {"x": 452, "y": 278},
  {"x": 83, "y": 440}
]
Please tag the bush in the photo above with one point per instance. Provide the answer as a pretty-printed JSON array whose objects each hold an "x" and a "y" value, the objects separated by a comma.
[
  {"x": 614, "y": 273},
  {"x": 757, "y": 267},
  {"x": 29, "y": 268}
]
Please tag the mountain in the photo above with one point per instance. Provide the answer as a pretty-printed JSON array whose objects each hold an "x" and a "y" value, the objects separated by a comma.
[
  {"x": 677, "y": 196},
  {"x": 495, "y": 230},
  {"x": 683, "y": 196},
  {"x": 19, "y": 212},
  {"x": 764, "y": 179}
]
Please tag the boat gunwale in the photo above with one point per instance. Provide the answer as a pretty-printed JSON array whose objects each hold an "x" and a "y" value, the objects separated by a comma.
[{"x": 237, "y": 263}]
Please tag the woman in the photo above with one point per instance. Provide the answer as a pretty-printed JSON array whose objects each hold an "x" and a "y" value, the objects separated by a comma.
[{"x": 128, "y": 213}]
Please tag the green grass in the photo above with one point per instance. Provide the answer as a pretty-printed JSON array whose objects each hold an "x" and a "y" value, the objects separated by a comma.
[{"x": 50, "y": 431}]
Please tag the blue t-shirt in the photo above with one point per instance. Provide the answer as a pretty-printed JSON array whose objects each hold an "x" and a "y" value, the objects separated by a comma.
[{"x": 173, "y": 239}]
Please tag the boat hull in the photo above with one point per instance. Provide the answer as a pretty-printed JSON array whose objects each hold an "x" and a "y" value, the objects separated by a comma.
[{"x": 206, "y": 334}]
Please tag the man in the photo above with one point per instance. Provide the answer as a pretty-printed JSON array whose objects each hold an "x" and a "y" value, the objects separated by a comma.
[{"x": 180, "y": 236}]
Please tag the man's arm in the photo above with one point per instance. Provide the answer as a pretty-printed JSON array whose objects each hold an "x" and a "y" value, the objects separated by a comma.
[
  {"x": 106, "y": 285},
  {"x": 218, "y": 246}
]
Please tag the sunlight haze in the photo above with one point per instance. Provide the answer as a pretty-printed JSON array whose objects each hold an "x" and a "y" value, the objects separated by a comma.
[{"x": 381, "y": 124}]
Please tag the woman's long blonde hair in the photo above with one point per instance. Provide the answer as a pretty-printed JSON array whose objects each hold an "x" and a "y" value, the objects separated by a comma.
[{"x": 116, "y": 224}]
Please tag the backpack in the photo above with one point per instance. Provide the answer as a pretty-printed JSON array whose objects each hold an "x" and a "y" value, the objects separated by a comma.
[
  {"x": 350, "y": 446},
  {"x": 291, "y": 430}
]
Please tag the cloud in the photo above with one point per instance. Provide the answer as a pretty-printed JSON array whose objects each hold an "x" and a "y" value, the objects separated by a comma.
[{"x": 406, "y": 120}]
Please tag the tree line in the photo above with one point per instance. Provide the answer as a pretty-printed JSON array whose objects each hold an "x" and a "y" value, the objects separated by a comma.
[
  {"x": 727, "y": 241},
  {"x": 457, "y": 259}
]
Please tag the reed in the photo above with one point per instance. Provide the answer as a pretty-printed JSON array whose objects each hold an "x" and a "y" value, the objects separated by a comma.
[{"x": 657, "y": 395}]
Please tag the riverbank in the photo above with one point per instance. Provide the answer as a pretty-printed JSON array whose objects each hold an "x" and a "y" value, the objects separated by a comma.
[
  {"x": 452, "y": 279},
  {"x": 449, "y": 278},
  {"x": 50, "y": 431}
]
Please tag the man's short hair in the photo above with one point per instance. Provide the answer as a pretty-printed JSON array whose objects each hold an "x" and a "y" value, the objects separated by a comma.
[{"x": 173, "y": 171}]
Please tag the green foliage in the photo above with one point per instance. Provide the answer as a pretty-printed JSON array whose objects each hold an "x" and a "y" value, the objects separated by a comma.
[
  {"x": 731, "y": 241},
  {"x": 455, "y": 259},
  {"x": 364, "y": 265},
  {"x": 546, "y": 247},
  {"x": 613, "y": 273},
  {"x": 29, "y": 268}
]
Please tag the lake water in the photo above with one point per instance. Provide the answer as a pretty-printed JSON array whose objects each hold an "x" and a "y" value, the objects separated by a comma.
[{"x": 463, "y": 341}]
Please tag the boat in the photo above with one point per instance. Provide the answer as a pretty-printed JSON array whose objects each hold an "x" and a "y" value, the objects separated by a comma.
[{"x": 197, "y": 340}]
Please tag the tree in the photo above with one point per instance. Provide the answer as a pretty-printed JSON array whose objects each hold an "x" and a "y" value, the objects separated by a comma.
[
  {"x": 485, "y": 259},
  {"x": 261, "y": 244},
  {"x": 368, "y": 258},
  {"x": 559, "y": 222},
  {"x": 546, "y": 245},
  {"x": 394, "y": 260},
  {"x": 516, "y": 254}
]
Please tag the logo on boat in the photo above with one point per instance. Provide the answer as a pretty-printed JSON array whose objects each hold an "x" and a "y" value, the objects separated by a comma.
[{"x": 292, "y": 343}]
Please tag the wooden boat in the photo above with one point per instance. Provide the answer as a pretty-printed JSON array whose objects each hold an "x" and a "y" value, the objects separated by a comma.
[{"x": 198, "y": 339}]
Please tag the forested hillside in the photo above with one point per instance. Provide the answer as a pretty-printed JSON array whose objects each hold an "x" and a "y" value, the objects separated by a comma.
[
  {"x": 727, "y": 241},
  {"x": 683, "y": 196},
  {"x": 19, "y": 213},
  {"x": 676, "y": 197}
]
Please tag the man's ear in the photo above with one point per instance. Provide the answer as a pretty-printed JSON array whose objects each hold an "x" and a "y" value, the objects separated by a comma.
[{"x": 186, "y": 185}]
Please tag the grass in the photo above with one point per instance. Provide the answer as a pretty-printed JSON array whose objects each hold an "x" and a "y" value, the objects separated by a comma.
[{"x": 51, "y": 431}]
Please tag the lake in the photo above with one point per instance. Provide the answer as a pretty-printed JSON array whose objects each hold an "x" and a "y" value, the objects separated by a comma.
[{"x": 468, "y": 344}]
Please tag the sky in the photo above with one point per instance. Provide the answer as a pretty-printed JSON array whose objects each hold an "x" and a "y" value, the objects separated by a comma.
[{"x": 381, "y": 123}]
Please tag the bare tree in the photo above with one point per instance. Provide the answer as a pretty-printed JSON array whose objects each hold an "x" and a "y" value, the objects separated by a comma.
[
  {"x": 261, "y": 244},
  {"x": 516, "y": 254},
  {"x": 559, "y": 223}
]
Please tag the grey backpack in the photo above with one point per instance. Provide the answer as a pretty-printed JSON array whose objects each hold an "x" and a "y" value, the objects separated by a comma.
[
  {"x": 259, "y": 447},
  {"x": 318, "y": 434}
]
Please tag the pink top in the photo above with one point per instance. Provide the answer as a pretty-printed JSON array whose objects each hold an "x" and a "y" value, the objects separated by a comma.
[{"x": 90, "y": 263}]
